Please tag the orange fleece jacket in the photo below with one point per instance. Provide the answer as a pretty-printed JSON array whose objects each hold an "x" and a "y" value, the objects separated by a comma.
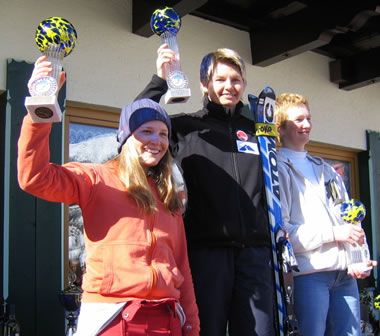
[{"x": 129, "y": 255}]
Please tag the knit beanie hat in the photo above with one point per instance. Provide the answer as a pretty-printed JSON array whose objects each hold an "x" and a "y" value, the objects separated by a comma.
[{"x": 137, "y": 113}]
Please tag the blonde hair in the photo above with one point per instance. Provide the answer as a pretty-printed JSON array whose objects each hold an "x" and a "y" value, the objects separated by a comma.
[
  {"x": 283, "y": 102},
  {"x": 134, "y": 177},
  {"x": 210, "y": 61}
]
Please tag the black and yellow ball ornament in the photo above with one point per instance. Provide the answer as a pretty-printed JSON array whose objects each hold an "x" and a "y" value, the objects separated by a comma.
[
  {"x": 58, "y": 31},
  {"x": 165, "y": 19},
  {"x": 352, "y": 211}
]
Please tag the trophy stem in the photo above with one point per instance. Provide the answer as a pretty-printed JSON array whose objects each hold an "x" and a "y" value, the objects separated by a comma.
[
  {"x": 55, "y": 56},
  {"x": 43, "y": 104},
  {"x": 171, "y": 40},
  {"x": 178, "y": 89}
]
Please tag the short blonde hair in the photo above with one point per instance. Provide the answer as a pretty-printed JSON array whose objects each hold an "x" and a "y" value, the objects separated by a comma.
[
  {"x": 283, "y": 102},
  {"x": 210, "y": 61}
]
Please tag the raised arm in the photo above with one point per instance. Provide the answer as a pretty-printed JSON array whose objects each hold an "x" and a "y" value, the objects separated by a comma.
[
  {"x": 157, "y": 87},
  {"x": 36, "y": 174}
]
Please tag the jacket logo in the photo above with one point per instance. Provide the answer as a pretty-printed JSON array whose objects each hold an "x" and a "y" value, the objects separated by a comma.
[
  {"x": 241, "y": 135},
  {"x": 247, "y": 147}
]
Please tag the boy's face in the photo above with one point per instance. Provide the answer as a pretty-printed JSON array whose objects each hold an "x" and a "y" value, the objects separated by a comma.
[
  {"x": 226, "y": 86},
  {"x": 295, "y": 132}
]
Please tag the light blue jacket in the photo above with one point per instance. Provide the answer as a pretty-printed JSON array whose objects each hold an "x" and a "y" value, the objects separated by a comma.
[{"x": 309, "y": 213}]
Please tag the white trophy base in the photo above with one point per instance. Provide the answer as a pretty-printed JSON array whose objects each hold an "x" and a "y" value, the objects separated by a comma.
[
  {"x": 177, "y": 95},
  {"x": 43, "y": 109},
  {"x": 359, "y": 267},
  {"x": 358, "y": 257}
]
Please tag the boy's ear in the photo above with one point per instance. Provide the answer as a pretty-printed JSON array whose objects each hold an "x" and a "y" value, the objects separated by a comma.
[{"x": 204, "y": 89}]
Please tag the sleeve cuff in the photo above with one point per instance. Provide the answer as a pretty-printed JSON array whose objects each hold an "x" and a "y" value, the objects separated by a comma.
[
  {"x": 159, "y": 81},
  {"x": 328, "y": 235}
]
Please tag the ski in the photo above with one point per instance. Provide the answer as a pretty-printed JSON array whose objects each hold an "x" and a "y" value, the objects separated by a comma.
[{"x": 262, "y": 108}]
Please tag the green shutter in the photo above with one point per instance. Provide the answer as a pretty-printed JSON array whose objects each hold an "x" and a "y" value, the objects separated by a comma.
[
  {"x": 373, "y": 139},
  {"x": 3, "y": 96},
  {"x": 35, "y": 241}
]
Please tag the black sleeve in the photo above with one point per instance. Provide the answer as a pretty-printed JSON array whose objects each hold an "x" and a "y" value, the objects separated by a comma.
[{"x": 155, "y": 89}]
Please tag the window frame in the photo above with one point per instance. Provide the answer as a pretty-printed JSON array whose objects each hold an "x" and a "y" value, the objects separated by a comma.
[
  {"x": 86, "y": 114},
  {"x": 98, "y": 115},
  {"x": 341, "y": 154}
]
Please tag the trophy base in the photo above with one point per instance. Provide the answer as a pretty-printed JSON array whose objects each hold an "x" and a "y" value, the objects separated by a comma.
[
  {"x": 361, "y": 267},
  {"x": 177, "y": 96},
  {"x": 43, "y": 109}
]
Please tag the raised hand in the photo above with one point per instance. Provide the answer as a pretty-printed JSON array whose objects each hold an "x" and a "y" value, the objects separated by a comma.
[
  {"x": 164, "y": 56},
  {"x": 42, "y": 68}
]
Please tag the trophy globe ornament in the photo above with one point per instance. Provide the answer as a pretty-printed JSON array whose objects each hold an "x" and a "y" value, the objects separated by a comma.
[
  {"x": 166, "y": 23},
  {"x": 56, "y": 38},
  {"x": 165, "y": 19},
  {"x": 353, "y": 212}
]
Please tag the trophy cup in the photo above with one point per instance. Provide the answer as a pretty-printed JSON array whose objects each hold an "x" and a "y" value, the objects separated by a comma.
[
  {"x": 55, "y": 38},
  {"x": 353, "y": 212},
  {"x": 166, "y": 24}
]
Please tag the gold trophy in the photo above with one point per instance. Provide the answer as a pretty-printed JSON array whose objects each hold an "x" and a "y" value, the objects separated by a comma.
[
  {"x": 55, "y": 38},
  {"x": 166, "y": 24}
]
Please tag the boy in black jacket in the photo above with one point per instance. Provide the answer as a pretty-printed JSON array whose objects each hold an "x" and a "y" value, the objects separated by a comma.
[{"x": 226, "y": 221}]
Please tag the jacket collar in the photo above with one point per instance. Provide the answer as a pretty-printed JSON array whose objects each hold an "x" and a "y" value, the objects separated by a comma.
[
  {"x": 316, "y": 160},
  {"x": 318, "y": 166},
  {"x": 220, "y": 112}
]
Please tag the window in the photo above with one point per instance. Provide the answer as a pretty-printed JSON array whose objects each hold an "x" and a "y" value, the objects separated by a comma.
[
  {"x": 90, "y": 136},
  {"x": 345, "y": 162}
]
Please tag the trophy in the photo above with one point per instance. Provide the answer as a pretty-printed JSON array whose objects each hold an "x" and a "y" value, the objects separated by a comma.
[
  {"x": 55, "y": 38},
  {"x": 353, "y": 212},
  {"x": 166, "y": 24}
]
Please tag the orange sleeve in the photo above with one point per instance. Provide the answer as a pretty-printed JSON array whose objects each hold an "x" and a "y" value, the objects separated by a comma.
[{"x": 38, "y": 176}]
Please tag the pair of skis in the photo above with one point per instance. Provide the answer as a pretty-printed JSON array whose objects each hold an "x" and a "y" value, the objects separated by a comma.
[{"x": 284, "y": 261}]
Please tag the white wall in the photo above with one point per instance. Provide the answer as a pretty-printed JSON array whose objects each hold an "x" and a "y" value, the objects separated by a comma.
[{"x": 110, "y": 65}]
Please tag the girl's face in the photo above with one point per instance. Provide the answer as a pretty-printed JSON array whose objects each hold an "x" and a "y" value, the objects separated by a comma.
[
  {"x": 226, "y": 86},
  {"x": 151, "y": 142},
  {"x": 295, "y": 131}
]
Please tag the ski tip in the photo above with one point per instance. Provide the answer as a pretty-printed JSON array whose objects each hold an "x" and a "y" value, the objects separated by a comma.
[
  {"x": 267, "y": 92},
  {"x": 268, "y": 89}
]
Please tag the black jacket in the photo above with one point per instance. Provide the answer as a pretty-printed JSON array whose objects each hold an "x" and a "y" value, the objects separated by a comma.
[{"x": 226, "y": 204}]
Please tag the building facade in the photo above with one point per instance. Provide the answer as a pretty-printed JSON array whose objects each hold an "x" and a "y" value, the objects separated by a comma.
[{"x": 107, "y": 69}]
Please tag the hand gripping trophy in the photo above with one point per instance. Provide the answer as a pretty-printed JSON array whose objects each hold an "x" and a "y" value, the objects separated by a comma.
[
  {"x": 353, "y": 212},
  {"x": 56, "y": 38},
  {"x": 166, "y": 24}
]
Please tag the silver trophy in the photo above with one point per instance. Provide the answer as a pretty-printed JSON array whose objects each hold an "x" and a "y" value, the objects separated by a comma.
[
  {"x": 55, "y": 38},
  {"x": 166, "y": 24},
  {"x": 353, "y": 212}
]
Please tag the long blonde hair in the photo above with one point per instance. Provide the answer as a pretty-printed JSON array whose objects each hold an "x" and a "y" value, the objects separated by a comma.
[{"x": 135, "y": 179}]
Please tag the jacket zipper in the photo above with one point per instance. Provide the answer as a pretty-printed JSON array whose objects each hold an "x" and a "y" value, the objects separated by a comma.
[
  {"x": 237, "y": 177},
  {"x": 233, "y": 154},
  {"x": 153, "y": 242}
]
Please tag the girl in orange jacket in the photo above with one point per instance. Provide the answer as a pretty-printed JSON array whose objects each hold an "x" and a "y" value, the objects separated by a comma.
[{"x": 137, "y": 271}]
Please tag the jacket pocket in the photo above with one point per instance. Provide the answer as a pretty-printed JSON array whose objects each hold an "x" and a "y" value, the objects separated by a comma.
[{"x": 119, "y": 269}]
